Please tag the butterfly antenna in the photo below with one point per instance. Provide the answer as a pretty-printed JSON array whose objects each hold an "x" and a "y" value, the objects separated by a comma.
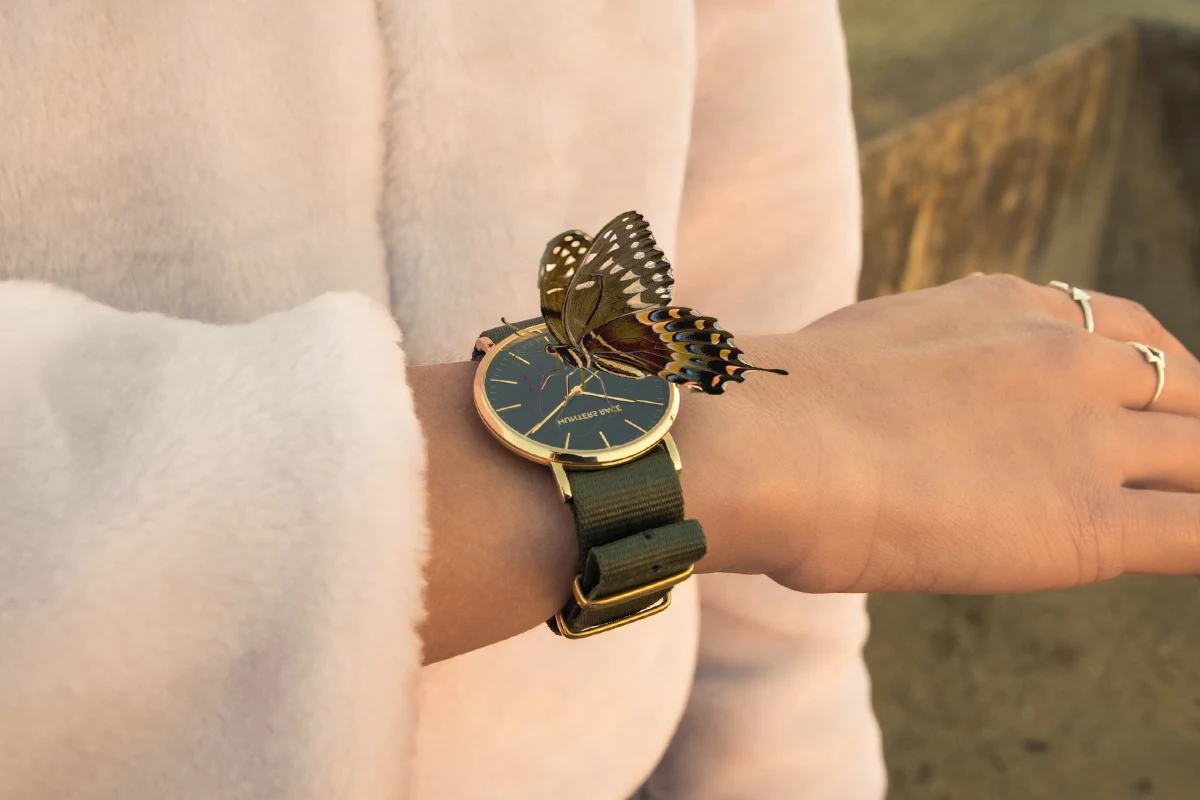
[{"x": 514, "y": 327}]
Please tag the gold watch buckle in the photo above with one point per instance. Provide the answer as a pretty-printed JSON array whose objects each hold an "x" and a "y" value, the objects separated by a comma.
[{"x": 620, "y": 598}]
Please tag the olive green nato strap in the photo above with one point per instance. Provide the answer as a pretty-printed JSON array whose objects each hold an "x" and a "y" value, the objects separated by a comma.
[{"x": 634, "y": 543}]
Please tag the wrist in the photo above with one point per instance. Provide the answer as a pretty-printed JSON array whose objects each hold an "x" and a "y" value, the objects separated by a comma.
[
  {"x": 501, "y": 552},
  {"x": 752, "y": 461}
]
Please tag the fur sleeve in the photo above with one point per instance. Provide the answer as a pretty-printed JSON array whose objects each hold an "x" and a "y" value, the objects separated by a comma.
[{"x": 211, "y": 541}]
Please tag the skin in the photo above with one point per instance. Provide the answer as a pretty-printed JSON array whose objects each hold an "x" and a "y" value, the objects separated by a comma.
[{"x": 972, "y": 438}]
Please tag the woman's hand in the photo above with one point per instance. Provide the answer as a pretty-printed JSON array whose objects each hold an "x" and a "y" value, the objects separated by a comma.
[{"x": 969, "y": 438}]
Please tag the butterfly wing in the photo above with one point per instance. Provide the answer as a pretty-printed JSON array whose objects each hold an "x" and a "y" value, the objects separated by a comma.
[
  {"x": 675, "y": 343},
  {"x": 623, "y": 271},
  {"x": 559, "y": 264}
]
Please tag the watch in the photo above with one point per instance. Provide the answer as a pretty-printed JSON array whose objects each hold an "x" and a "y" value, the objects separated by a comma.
[{"x": 607, "y": 441}]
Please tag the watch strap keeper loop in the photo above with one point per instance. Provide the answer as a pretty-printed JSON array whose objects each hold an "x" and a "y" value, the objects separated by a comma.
[{"x": 631, "y": 578}]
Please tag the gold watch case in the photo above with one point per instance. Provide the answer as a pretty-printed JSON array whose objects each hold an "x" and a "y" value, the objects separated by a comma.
[{"x": 577, "y": 459}]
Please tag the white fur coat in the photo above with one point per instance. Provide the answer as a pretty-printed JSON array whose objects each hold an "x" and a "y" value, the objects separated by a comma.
[{"x": 211, "y": 503}]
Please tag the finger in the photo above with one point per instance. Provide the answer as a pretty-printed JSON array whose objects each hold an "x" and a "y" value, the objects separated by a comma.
[
  {"x": 1160, "y": 532},
  {"x": 1159, "y": 450},
  {"x": 1136, "y": 380},
  {"x": 1117, "y": 318}
]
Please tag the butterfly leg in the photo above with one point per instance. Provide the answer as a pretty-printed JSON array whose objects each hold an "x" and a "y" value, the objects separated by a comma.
[
  {"x": 595, "y": 372},
  {"x": 546, "y": 378},
  {"x": 563, "y": 363}
]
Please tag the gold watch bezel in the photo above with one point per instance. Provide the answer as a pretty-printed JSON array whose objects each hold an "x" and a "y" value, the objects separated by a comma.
[{"x": 544, "y": 454}]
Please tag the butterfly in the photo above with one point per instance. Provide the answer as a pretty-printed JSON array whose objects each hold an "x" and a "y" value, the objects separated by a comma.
[{"x": 607, "y": 301}]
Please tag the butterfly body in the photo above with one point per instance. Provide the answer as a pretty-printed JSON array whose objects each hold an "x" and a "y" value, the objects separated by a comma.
[
  {"x": 571, "y": 356},
  {"x": 607, "y": 303}
]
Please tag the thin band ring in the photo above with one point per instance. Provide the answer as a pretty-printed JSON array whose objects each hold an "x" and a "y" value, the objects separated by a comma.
[
  {"x": 1083, "y": 299},
  {"x": 1158, "y": 359}
]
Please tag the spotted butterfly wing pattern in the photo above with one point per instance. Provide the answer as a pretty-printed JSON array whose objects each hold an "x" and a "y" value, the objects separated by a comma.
[
  {"x": 559, "y": 263},
  {"x": 615, "y": 307},
  {"x": 624, "y": 270}
]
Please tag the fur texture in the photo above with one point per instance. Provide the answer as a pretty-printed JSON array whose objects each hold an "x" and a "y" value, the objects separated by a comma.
[
  {"x": 512, "y": 122},
  {"x": 198, "y": 552},
  {"x": 214, "y": 161}
]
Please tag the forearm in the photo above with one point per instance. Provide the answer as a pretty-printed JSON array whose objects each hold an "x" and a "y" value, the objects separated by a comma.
[{"x": 502, "y": 553}]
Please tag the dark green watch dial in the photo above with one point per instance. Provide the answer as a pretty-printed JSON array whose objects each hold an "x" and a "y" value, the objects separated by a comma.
[{"x": 539, "y": 397}]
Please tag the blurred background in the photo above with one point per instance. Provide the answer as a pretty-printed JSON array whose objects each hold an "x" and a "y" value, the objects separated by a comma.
[{"x": 1053, "y": 139}]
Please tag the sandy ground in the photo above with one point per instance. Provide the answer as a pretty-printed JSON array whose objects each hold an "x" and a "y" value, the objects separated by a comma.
[{"x": 1089, "y": 693}]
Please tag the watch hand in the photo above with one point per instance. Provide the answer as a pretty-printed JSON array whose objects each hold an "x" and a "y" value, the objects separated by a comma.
[
  {"x": 622, "y": 399},
  {"x": 575, "y": 391}
]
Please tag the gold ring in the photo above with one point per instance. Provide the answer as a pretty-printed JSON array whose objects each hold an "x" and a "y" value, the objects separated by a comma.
[
  {"x": 1159, "y": 359},
  {"x": 1083, "y": 299}
]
